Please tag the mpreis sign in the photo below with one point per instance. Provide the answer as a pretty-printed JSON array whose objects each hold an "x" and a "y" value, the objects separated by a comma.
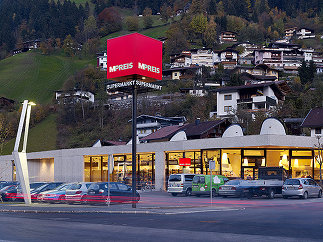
[
  {"x": 134, "y": 56},
  {"x": 185, "y": 161}
]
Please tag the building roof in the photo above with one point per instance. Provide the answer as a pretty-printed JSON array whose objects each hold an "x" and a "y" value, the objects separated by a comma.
[
  {"x": 192, "y": 129},
  {"x": 200, "y": 128},
  {"x": 180, "y": 119},
  {"x": 314, "y": 119},
  {"x": 112, "y": 142},
  {"x": 164, "y": 133}
]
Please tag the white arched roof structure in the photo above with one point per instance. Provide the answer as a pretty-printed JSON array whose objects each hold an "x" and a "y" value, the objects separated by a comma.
[
  {"x": 272, "y": 126},
  {"x": 233, "y": 130},
  {"x": 179, "y": 136}
]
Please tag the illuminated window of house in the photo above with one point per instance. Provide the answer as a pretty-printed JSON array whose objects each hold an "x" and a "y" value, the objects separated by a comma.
[{"x": 231, "y": 163}]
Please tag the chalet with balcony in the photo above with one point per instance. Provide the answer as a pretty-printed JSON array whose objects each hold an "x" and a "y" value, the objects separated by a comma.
[
  {"x": 289, "y": 33},
  {"x": 147, "y": 124},
  {"x": 74, "y": 96},
  {"x": 228, "y": 58},
  {"x": 253, "y": 97},
  {"x": 181, "y": 73},
  {"x": 182, "y": 60},
  {"x": 305, "y": 33},
  {"x": 227, "y": 36},
  {"x": 203, "y": 57},
  {"x": 102, "y": 61},
  {"x": 259, "y": 70}
]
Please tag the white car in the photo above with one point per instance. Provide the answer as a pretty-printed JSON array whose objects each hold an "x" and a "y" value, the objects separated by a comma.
[{"x": 77, "y": 192}]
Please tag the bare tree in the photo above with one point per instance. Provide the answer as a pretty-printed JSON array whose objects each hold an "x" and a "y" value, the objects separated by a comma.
[
  {"x": 4, "y": 131},
  {"x": 319, "y": 155}
]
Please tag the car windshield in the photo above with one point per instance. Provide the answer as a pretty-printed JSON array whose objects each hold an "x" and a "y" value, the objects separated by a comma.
[
  {"x": 40, "y": 188},
  {"x": 196, "y": 179},
  {"x": 175, "y": 178},
  {"x": 35, "y": 185},
  {"x": 292, "y": 182},
  {"x": 64, "y": 187},
  {"x": 233, "y": 182},
  {"x": 75, "y": 186}
]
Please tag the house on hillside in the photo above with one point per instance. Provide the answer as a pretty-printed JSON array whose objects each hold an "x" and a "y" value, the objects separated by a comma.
[
  {"x": 203, "y": 57},
  {"x": 228, "y": 58},
  {"x": 259, "y": 70},
  {"x": 74, "y": 96},
  {"x": 253, "y": 97},
  {"x": 181, "y": 73},
  {"x": 289, "y": 33},
  {"x": 305, "y": 33},
  {"x": 101, "y": 61},
  {"x": 314, "y": 121},
  {"x": 181, "y": 60},
  {"x": 147, "y": 124},
  {"x": 227, "y": 36}
]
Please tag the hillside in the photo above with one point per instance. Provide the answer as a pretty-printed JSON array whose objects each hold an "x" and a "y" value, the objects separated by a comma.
[
  {"x": 34, "y": 76},
  {"x": 41, "y": 137}
]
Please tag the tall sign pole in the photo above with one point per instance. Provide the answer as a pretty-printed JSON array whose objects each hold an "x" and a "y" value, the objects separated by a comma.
[
  {"x": 134, "y": 61},
  {"x": 134, "y": 143}
]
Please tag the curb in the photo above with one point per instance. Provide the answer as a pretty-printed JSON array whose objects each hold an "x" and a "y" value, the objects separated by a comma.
[{"x": 73, "y": 211}]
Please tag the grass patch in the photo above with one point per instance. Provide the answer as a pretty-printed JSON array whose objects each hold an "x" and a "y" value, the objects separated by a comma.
[
  {"x": 41, "y": 137},
  {"x": 35, "y": 77}
]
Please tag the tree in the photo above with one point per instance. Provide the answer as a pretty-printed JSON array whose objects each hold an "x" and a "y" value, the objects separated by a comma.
[
  {"x": 4, "y": 131},
  {"x": 132, "y": 23},
  {"x": 164, "y": 13},
  {"x": 209, "y": 35},
  {"x": 198, "y": 7},
  {"x": 306, "y": 72},
  {"x": 176, "y": 41},
  {"x": 148, "y": 20},
  {"x": 90, "y": 28},
  {"x": 69, "y": 46},
  {"x": 198, "y": 24},
  {"x": 318, "y": 155}
]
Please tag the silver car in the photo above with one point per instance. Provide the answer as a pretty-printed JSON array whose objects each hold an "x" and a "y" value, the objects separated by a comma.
[
  {"x": 180, "y": 184},
  {"x": 76, "y": 193},
  {"x": 301, "y": 187}
]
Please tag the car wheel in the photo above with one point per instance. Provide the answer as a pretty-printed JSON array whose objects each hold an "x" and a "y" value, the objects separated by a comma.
[
  {"x": 188, "y": 192},
  {"x": 305, "y": 195},
  {"x": 174, "y": 194},
  {"x": 320, "y": 194},
  {"x": 285, "y": 197},
  {"x": 214, "y": 193},
  {"x": 271, "y": 194}
]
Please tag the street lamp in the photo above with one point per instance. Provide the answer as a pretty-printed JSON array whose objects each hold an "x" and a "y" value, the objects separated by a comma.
[{"x": 20, "y": 158}]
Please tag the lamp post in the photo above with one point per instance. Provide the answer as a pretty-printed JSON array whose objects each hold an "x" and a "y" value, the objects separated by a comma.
[{"x": 20, "y": 158}]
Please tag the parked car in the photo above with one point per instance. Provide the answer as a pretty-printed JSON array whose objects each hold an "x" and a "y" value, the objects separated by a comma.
[
  {"x": 202, "y": 186},
  {"x": 46, "y": 187},
  {"x": 5, "y": 191},
  {"x": 119, "y": 193},
  {"x": 76, "y": 193},
  {"x": 231, "y": 188},
  {"x": 180, "y": 184},
  {"x": 7, "y": 183},
  {"x": 301, "y": 187},
  {"x": 15, "y": 193},
  {"x": 56, "y": 195}
]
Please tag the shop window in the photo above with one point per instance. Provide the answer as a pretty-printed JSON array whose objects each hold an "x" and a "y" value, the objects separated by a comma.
[
  {"x": 277, "y": 158},
  {"x": 317, "y": 160},
  {"x": 211, "y": 155},
  {"x": 231, "y": 163},
  {"x": 302, "y": 153},
  {"x": 301, "y": 167}
]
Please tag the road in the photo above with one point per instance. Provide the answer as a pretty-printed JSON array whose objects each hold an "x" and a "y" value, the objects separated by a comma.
[{"x": 229, "y": 219}]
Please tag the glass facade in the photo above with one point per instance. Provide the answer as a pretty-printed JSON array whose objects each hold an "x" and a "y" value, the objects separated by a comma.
[
  {"x": 96, "y": 168},
  {"x": 232, "y": 163}
]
